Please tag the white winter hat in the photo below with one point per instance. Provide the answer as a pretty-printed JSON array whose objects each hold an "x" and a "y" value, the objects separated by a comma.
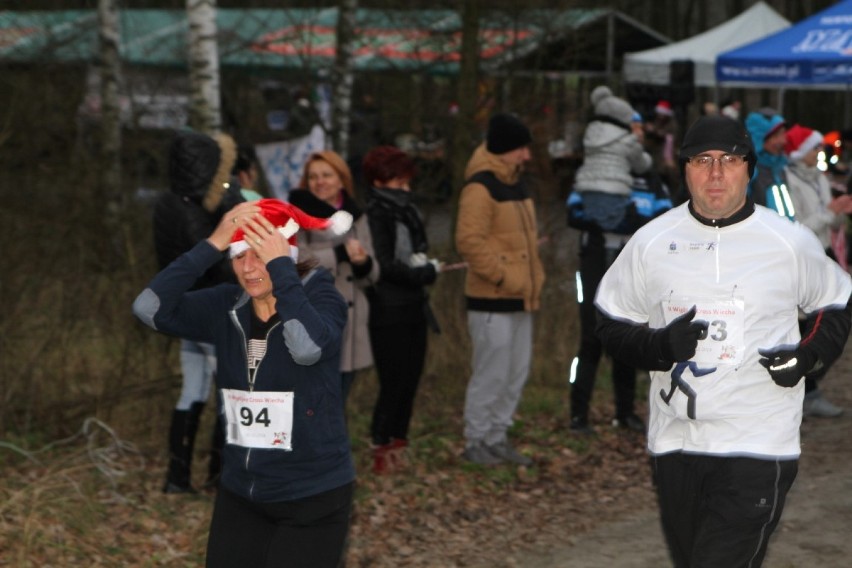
[{"x": 607, "y": 104}]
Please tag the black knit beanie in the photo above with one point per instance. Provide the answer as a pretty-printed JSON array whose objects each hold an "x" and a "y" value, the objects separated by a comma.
[
  {"x": 506, "y": 133},
  {"x": 718, "y": 132}
]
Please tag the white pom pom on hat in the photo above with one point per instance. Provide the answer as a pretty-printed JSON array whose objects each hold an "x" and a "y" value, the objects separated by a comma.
[
  {"x": 607, "y": 104},
  {"x": 288, "y": 219},
  {"x": 599, "y": 93}
]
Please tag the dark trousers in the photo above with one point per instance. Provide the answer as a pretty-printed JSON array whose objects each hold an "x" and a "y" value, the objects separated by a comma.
[
  {"x": 719, "y": 512},
  {"x": 346, "y": 380},
  {"x": 594, "y": 261},
  {"x": 399, "y": 352},
  {"x": 306, "y": 533}
]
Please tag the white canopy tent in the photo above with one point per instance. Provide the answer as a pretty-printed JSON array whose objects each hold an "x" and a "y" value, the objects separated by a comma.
[{"x": 652, "y": 66}]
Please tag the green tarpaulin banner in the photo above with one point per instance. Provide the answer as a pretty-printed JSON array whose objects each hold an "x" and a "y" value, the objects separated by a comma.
[{"x": 405, "y": 40}]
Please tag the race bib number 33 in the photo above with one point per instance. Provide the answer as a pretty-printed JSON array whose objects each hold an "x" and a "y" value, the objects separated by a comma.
[
  {"x": 259, "y": 419},
  {"x": 723, "y": 342}
]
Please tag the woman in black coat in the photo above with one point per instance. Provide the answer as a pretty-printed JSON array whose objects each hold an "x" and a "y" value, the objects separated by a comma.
[{"x": 399, "y": 305}]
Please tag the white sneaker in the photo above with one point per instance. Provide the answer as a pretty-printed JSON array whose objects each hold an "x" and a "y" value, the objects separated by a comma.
[{"x": 815, "y": 406}]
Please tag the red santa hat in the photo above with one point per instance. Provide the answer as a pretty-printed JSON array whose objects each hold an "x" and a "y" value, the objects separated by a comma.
[
  {"x": 801, "y": 140},
  {"x": 664, "y": 108},
  {"x": 289, "y": 219}
]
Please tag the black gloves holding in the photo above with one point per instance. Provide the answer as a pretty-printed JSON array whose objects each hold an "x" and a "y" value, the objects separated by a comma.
[
  {"x": 679, "y": 340},
  {"x": 787, "y": 365}
]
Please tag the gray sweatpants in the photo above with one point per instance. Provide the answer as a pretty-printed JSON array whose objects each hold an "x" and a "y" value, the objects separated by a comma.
[{"x": 502, "y": 350}]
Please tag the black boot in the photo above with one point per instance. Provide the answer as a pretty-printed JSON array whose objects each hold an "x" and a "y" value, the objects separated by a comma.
[
  {"x": 215, "y": 467},
  {"x": 181, "y": 444},
  {"x": 580, "y": 425}
]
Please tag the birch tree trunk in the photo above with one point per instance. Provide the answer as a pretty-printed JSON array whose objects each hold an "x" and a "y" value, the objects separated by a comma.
[
  {"x": 343, "y": 76},
  {"x": 109, "y": 68},
  {"x": 463, "y": 132},
  {"x": 205, "y": 113}
]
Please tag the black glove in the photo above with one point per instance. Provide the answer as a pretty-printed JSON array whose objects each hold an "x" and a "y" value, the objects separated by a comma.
[
  {"x": 679, "y": 339},
  {"x": 340, "y": 254},
  {"x": 787, "y": 365}
]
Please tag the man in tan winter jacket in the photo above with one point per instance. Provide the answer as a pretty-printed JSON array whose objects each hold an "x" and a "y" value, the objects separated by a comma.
[{"x": 496, "y": 235}]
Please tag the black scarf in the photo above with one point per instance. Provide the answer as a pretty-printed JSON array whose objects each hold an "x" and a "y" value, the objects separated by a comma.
[{"x": 310, "y": 204}]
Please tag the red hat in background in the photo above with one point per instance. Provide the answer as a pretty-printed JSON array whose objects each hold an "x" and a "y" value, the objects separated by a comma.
[
  {"x": 664, "y": 108},
  {"x": 801, "y": 140},
  {"x": 834, "y": 140},
  {"x": 289, "y": 219}
]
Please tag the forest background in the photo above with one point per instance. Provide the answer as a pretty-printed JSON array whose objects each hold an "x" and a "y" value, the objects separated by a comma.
[{"x": 86, "y": 392}]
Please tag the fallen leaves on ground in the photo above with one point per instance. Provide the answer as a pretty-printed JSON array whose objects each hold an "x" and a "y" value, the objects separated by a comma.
[
  {"x": 465, "y": 515},
  {"x": 64, "y": 509}
]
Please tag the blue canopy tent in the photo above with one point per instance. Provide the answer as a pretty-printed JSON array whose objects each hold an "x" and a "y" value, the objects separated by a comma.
[{"x": 815, "y": 53}]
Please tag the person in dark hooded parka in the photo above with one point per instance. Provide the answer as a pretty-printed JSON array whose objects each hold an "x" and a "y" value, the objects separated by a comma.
[{"x": 201, "y": 190}]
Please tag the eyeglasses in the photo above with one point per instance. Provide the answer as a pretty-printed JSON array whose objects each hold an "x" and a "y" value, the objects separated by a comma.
[{"x": 705, "y": 162}]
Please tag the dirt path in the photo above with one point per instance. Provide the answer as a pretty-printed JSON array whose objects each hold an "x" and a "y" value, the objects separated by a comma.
[{"x": 816, "y": 526}]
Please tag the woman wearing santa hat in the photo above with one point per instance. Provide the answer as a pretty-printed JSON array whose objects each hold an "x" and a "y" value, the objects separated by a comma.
[
  {"x": 809, "y": 187},
  {"x": 286, "y": 488},
  {"x": 816, "y": 209}
]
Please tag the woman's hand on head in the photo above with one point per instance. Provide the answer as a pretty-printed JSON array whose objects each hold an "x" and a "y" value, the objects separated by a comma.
[
  {"x": 234, "y": 219},
  {"x": 264, "y": 239}
]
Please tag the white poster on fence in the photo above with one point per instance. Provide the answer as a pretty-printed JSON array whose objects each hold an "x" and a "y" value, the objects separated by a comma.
[{"x": 282, "y": 162}]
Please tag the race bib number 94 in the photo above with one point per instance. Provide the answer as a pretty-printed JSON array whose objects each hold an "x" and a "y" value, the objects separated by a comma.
[
  {"x": 723, "y": 342},
  {"x": 259, "y": 419}
]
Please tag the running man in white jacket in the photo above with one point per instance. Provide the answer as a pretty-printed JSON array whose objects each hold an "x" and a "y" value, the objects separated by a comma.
[{"x": 706, "y": 296}]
